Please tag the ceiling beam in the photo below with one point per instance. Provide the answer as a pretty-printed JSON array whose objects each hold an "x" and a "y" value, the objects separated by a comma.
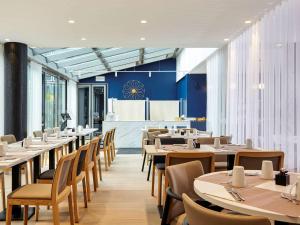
[
  {"x": 175, "y": 52},
  {"x": 101, "y": 58},
  {"x": 141, "y": 57}
]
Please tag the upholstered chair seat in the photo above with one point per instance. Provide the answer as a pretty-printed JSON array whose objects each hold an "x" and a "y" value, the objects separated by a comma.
[{"x": 37, "y": 191}]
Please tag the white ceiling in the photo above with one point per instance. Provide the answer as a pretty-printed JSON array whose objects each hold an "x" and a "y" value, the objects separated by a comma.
[{"x": 116, "y": 23}]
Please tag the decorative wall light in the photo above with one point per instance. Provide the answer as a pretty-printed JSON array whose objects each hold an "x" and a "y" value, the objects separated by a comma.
[{"x": 133, "y": 89}]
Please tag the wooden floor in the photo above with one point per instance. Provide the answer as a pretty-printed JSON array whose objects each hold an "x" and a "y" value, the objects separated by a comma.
[{"x": 123, "y": 198}]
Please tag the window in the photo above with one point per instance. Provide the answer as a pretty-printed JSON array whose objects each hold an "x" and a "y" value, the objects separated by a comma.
[{"x": 54, "y": 99}]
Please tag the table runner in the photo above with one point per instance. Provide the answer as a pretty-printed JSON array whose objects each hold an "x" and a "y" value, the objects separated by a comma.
[{"x": 258, "y": 197}]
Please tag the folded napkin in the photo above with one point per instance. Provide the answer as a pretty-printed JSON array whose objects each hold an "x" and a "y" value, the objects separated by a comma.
[{"x": 214, "y": 190}]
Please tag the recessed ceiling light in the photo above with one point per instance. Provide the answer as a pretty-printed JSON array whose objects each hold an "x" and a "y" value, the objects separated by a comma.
[
  {"x": 226, "y": 39},
  {"x": 6, "y": 39},
  {"x": 248, "y": 21},
  {"x": 83, "y": 39},
  {"x": 142, "y": 38},
  {"x": 71, "y": 21},
  {"x": 144, "y": 21}
]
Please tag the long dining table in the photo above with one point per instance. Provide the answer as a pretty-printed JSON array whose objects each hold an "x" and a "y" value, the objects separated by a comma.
[
  {"x": 261, "y": 197},
  {"x": 17, "y": 155},
  {"x": 229, "y": 150},
  {"x": 80, "y": 134}
]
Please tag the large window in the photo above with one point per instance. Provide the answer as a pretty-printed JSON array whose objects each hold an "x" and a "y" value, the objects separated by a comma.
[{"x": 54, "y": 99}]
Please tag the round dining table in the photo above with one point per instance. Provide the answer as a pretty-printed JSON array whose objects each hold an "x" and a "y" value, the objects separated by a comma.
[{"x": 260, "y": 197}]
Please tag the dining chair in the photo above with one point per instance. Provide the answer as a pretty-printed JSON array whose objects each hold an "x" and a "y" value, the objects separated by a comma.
[
  {"x": 78, "y": 175},
  {"x": 199, "y": 215},
  {"x": 159, "y": 165},
  {"x": 97, "y": 157},
  {"x": 10, "y": 139},
  {"x": 49, "y": 131},
  {"x": 105, "y": 150},
  {"x": 220, "y": 160},
  {"x": 90, "y": 165},
  {"x": 112, "y": 144},
  {"x": 59, "y": 152},
  {"x": 38, "y": 134},
  {"x": 45, "y": 194},
  {"x": 181, "y": 180},
  {"x": 253, "y": 160}
]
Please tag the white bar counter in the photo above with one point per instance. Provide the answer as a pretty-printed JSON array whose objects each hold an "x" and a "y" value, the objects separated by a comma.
[{"x": 129, "y": 133}]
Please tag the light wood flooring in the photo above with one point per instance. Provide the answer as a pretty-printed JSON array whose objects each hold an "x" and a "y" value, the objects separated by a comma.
[{"x": 123, "y": 198}]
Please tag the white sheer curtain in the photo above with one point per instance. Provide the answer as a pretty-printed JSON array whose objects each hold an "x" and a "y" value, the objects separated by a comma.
[
  {"x": 34, "y": 98},
  {"x": 216, "y": 92},
  {"x": 263, "y": 94},
  {"x": 1, "y": 90},
  {"x": 72, "y": 102}
]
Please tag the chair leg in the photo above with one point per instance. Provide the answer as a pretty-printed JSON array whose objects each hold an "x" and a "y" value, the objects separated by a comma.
[
  {"x": 99, "y": 168},
  {"x": 3, "y": 191},
  {"x": 55, "y": 210},
  {"x": 71, "y": 212},
  {"x": 37, "y": 212},
  {"x": 88, "y": 187},
  {"x": 108, "y": 156},
  {"x": 8, "y": 214},
  {"x": 25, "y": 214},
  {"x": 105, "y": 159},
  {"x": 95, "y": 177},
  {"x": 159, "y": 189},
  {"x": 153, "y": 180},
  {"x": 84, "y": 193},
  {"x": 74, "y": 193}
]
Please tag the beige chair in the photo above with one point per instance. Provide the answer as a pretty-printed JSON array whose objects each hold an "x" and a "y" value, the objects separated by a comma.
[
  {"x": 45, "y": 194},
  {"x": 253, "y": 160},
  {"x": 78, "y": 175},
  {"x": 199, "y": 215},
  {"x": 10, "y": 139},
  {"x": 181, "y": 180},
  {"x": 38, "y": 134}
]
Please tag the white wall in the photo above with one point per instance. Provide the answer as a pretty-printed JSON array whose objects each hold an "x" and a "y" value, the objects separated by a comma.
[
  {"x": 1, "y": 90},
  {"x": 190, "y": 58},
  {"x": 72, "y": 96},
  {"x": 34, "y": 98}
]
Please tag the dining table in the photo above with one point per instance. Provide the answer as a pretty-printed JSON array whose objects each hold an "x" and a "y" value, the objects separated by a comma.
[
  {"x": 259, "y": 196},
  {"x": 81, "y": 134},
  {"x": 229, "y": 150},
  {"x": 17, "y": 155},
  {"x": 185, "y": 135}
]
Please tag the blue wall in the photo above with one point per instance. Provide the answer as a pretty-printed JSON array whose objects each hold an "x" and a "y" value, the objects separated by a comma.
[{"x": 160, "y": 86}]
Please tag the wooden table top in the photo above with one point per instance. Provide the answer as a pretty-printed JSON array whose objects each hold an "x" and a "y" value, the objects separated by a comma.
[
  {"x": 224, "y": 150},
  {"x": 262, "y": 197},
  {"x": 17, "y": 154}
]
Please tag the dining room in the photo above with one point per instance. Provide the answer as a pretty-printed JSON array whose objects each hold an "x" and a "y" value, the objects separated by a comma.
[{"x": 170, "y": 113}]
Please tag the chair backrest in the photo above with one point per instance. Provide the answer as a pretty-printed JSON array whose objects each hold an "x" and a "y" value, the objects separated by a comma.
[
  {"x": 49, "y": 131},
  {"x": 99, "y": 144},
  {"x": 10, "y": 138},
  {"x": 79, "y": 160},
  {"x": 93, "y": 148},
  {"x": 211, "y": 140},
  {"x": 252, "y": 160},
  {"x": 199, "y": 215},
  {"x": 161, "y": 130},
  {"x": 207, "y": 159},
  {"x": 38, "y": 133},
  {"x": 171, "y": 141},
  {"x": 113, "y": 134},
  {"x": 181, "y": 180},
  {"x": 63, "y": 174}
]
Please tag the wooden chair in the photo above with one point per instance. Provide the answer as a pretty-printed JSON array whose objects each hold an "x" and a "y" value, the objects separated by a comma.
[
  {"x": 90, "y": 165},
  {"x": 199, "y": 215},
  {"x": 106, "y": 150},
  {"x": 78, "y": 175},
  {"x": 253, "y": 160},
  {"x": 97, "y": 158},
  {"x": 45, "y": 194},
  {"x": 10, "y": 139},
  {"x": 59, "y": 152},
  {"x": 2, "y": 187},
  {"x": 38, "y": 134},
  {"x": 112, "y": 144}
]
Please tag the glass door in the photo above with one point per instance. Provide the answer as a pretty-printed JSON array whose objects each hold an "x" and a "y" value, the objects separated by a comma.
[
  {"x": 84, "y": 99},
  {"x": 99, "y": 106}
]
